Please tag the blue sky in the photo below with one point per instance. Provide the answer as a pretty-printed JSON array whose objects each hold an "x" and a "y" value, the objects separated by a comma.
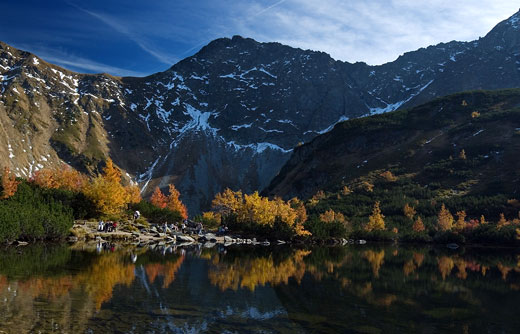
[{"x": 142, "y": 37}]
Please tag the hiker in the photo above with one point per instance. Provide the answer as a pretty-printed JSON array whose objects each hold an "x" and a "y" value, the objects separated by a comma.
[
  {"x": 183, "y": 226},
  {"x": 199, "y": 228},
  {"x": 137, "y": 214},
  {"x": 101, "y": 226}
]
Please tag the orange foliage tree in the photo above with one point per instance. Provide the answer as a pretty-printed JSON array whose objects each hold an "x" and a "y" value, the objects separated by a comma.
[
  {"x": 175, "y": 204},
  {"x": 60, "y": 178},
  {"x": 502, "y": 222},
  {"x": 9, "y": 184},
  {"x": 418, "y": 225},
  {"x": 158, "y": 199},
  {"x": 388, "y": 176}
]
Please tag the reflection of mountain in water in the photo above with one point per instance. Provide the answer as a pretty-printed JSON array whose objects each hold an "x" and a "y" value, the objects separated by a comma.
[{"x": 281, "y": 290}]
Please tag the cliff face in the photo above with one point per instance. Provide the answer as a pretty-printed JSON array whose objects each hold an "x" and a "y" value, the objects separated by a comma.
[{"x": 230, "y": 115}]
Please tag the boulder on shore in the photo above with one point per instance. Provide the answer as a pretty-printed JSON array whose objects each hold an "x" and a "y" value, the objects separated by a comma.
[{"x": 184, "y": 238}]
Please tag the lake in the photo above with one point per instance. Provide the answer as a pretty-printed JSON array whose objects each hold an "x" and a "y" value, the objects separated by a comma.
[{"x": 241, "y": 289}]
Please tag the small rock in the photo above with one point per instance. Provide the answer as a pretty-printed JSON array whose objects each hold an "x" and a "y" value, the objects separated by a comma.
[
  {"x": 185, "y": 238},
  {"x": 72, "y": 238},
  {"x": 361, "y": 242},
  {"x": 452, "y": 246},
  {"x": 280, "y": 242},
  {"x": 228, "y": 239}
]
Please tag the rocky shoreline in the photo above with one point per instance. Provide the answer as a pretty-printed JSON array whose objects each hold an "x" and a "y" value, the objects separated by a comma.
[{"x": 84, "y": 231}]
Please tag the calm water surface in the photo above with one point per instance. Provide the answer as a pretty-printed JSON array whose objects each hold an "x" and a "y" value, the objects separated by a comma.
[{"x": 352, "y": 289}]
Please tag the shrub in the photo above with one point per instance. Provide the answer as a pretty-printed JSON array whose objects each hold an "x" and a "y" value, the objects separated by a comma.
[
  {"x": 157, "y": 215},
  {"x": 448, "y": 237},
  {"x": 33, "y": 215},
  {"x": 326, "y": 230}
]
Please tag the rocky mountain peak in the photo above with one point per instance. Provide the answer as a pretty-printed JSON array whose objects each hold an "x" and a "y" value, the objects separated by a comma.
[{"x": 228, "y": 116}]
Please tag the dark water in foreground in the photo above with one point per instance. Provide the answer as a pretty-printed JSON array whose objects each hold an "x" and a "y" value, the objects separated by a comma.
[{"x": 352, "y": 289}]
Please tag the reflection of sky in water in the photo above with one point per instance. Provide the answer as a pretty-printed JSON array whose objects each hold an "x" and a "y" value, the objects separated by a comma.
[{"x": 252, "y": 290}]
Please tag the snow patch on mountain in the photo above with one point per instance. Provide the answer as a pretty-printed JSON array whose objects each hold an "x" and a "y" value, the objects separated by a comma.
[
  {"x": 257, "y": 147},
  {"x": 341, "y": 119},
  {"x": 147, "y": 175},
  {"x": 199, "y": 120},
  {"x": 394, "y": 106},
  {"x": 236, "y": 127}
]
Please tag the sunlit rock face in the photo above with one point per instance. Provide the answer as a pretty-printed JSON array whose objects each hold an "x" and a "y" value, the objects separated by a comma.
[{"x": 228, "y": 116}]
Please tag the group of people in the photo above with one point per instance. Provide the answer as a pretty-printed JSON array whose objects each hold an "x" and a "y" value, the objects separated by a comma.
[
  {"x": 108, "y": 226},
  {"x": 187, "y": 226},
  {"x": 222, "y": 230}
]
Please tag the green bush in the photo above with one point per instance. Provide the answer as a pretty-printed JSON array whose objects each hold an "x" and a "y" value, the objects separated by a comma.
[
  {"x": 448, "y": 237},
  {"x": 31, "y": 214},
  {"x": 376, "y": 235},
  {"x": 415, "y": 237},
  {"x": 489, "y": 234},
  {"x": 323, "y": 231},
  {"x": 208, "y": 223},
  {"x": 157, "y": 215}
]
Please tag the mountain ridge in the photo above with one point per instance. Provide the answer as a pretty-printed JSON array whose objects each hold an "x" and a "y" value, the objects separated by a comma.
[{"x": 228, "y": 116}]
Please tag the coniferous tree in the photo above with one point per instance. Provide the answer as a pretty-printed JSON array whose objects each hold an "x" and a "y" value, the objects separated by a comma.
[
  {"x": 444, "y": 219},
  {"x": 376, "y": 220}
]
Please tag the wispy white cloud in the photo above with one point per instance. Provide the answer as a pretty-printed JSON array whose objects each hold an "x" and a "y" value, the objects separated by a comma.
[
  {"x": 124, "y": 28},
  {"x": 374, "y": 31},
  {"x": 77, "y": 63},
  {"x": 269, "y": 7}
]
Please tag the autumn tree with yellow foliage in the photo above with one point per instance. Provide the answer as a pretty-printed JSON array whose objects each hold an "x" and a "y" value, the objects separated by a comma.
[
  {"x": 107, "y": 192},
  {"x": 409, "y": 211},
  {"x": 461, "y": 220},
  {"x": 376, "y": 220},
  {"x": 255, "y": 210},
  {"x": 330, "y": 216},
  {"x": 444, "y": 219}
]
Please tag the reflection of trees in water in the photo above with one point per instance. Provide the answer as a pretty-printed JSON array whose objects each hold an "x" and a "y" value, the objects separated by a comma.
[
  {"x": 72, "y": 299},
  {"x": 418, "y": 280},
  {"x": 166, "y": 270},
  {"x": 376, "y": 260},
  {"x": 257, "y": 271},
  {"x": 103, "y": 275}
]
